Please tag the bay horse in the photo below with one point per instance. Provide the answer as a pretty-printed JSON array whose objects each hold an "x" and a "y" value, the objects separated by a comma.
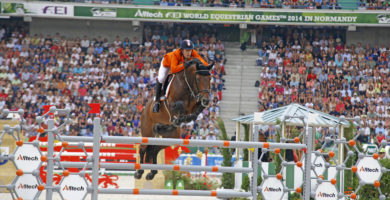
[{"x": 188, "y": 96}]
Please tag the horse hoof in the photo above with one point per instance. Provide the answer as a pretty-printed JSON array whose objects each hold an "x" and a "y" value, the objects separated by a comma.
[
  {"x": 150, "y": 176},
  {"x": 138, "y": 175}
]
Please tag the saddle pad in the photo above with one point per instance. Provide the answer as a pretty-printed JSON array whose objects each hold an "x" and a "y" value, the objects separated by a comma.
[{"x": 169, "y": 83}]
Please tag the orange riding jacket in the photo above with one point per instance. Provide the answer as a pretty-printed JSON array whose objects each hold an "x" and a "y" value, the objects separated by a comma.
[{"x": 175, "y": 60}]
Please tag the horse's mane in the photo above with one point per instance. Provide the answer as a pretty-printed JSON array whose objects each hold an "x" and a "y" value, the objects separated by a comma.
[{"x": 200, "y": 69}]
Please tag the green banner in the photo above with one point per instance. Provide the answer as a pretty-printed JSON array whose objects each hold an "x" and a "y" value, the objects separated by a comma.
[
  {"x": 82, "y": 11},
  {"x": 234, "y": 15},
  {"x": 13, "y": 8}
]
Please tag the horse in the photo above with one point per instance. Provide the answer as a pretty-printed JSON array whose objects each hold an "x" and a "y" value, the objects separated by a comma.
[{"x": 188, "y": 96}]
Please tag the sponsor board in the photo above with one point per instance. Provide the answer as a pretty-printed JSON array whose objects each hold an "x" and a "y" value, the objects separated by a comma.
[
  {"x": 12, "y": 8},
  {"x": 73, "y": 187},
  {"x": 95, "y": 11},
  {"x": 27, "y": 158},
  {"x": 253, "y": 16},
  {"x": 319, "y": 164},
  {"x": 206, "y": 15},
  {"x": 40, "y": 9},
  {"x": 369, "y": 170},
  {"x": 26, "y": 186},
  {"x": 326, "y": 191},
  {"x": 59, "y": 10},
  {"x": 272, "y": 188}
]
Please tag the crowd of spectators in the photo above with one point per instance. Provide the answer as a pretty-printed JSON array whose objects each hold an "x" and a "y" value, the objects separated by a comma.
[
  {"x": 37, "y": 70},
  {"x": 317, "y": 69},
  {"x": 286, "y": 4}
]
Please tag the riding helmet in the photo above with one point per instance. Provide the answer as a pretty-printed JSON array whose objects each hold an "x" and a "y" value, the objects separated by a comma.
[{"x": 187, "y": 44}]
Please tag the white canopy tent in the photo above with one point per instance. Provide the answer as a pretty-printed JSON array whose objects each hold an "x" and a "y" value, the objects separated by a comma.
[{"x": 292, "y": 115}]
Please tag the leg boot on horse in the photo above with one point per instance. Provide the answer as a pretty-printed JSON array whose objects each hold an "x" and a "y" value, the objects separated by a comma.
[{"x": 139, "y": 172}]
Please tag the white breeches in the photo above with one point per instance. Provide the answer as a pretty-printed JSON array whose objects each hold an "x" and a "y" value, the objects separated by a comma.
[{"x": 162, "y": 73}]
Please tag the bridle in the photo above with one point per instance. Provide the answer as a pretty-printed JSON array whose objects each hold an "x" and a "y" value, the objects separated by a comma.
[{"x": 197, "y": 94}]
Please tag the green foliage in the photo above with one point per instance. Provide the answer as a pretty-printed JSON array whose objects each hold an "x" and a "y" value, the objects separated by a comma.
[
  {"x": 295, "y": 196},
  {"x": 174, "y": 176},
  {"x": 385, "y": 180},
  {"x": 259, "y": 180},
  {"x": 277, "y": 159},
  {"x": 246, "y": 138},
  {"x": 203, "y": 183},
  {"x": 245, "y": 183},
  {"x": 199, "y": 183},
  {"x": 351, "y": 181},
  {"x": 227, "y": 178},
  {"x": 295, "y": 132},
  {"x": 349, "y": 132}
]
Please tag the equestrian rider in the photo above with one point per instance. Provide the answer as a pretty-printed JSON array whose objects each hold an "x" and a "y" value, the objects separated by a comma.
[{"x": 175, "y": 61}]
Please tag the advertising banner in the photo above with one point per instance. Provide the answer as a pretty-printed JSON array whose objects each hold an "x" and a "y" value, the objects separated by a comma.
[
  {"x": 292, "y": 17},
  {"x": 234, "y": 16},
  {"x": 27, "y": 187},
  {"x": 326, "y": 191},
  {"x": 83, "y": 11},
  {"x": 12, "y": 8},
  {"x": 54, "y": 10},
  {"x": 40, "y": 9},
  {"x": 251, "y": 16},
  {"x": 73, "y": 187},
  {"x": 27, "y": 158}
]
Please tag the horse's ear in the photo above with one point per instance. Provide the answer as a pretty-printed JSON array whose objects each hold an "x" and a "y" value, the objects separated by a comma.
[{"x": 210, "y": 66}]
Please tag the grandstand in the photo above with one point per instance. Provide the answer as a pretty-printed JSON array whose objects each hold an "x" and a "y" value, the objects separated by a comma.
[
  {"x": 62, "y": 62},
  {"x": 329, "y": 55}
]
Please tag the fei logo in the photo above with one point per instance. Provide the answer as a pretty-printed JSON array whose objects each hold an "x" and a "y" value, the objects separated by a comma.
[{"x": 55, "y": 10}]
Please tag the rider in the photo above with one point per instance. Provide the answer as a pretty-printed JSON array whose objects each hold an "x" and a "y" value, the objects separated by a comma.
[{"x": 175, "y": 61}]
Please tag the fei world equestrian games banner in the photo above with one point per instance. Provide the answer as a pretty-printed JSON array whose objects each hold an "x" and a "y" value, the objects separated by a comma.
[
  {"x": 227, "y": 16},
  {"x": 178, "y": 14}
]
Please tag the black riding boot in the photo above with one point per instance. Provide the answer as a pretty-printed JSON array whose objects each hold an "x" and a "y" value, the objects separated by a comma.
[{"x": 156, "y": 105}]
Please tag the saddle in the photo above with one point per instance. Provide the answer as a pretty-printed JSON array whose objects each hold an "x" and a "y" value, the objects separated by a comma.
[{"x": 167, "y": 85}]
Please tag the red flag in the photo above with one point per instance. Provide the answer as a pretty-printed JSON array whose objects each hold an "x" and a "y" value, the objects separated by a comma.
[
  {"x": 95, "y": 108},
  {"x": 47, "y": 109}
]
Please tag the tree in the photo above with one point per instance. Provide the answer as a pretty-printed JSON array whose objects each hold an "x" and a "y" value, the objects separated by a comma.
[{"x": 227, "y": 178}]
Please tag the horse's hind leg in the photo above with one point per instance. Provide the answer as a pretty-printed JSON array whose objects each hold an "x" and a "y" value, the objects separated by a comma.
[
  {"x": 139, "y": 172},
  {"x": 152, "y": 173}
]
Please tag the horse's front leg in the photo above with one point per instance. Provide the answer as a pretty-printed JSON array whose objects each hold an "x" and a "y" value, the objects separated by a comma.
[
  {"x": 152, "y": 173},
  {"x": 139, "y": 172}
]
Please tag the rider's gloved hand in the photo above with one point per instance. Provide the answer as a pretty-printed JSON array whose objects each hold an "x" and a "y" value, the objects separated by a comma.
[
  {"x": 188, "y": 63},
  {"x": 197, "y": 61}
]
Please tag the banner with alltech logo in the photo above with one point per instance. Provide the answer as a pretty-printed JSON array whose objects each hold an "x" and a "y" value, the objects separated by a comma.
[
  {"x": 73, "y": 187},
  {"x": 26, "y": 187},
  {"x": 234, "y": 15},
  {"x": 40, "y": 9}
]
